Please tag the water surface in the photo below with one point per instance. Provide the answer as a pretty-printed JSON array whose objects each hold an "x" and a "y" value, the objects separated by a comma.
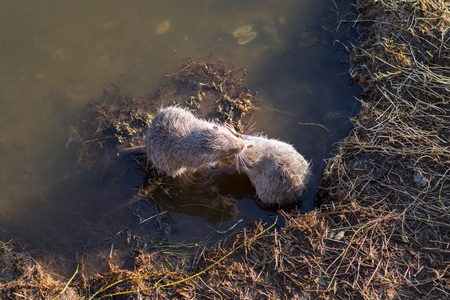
[{"x": 57, "y": 57}]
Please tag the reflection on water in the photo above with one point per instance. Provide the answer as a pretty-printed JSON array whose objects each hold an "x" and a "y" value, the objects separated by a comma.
[{"x": 56, "y": 57}]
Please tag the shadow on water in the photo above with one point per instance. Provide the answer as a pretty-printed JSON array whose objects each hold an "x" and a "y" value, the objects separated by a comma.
[{"x": 58, "y": 58}]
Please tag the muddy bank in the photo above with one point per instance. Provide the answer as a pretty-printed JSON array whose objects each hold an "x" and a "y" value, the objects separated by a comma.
[{"x": 382, "y": 230}]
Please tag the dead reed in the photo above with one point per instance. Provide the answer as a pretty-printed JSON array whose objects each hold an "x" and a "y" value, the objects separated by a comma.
[{"x": 382, "y": 231}]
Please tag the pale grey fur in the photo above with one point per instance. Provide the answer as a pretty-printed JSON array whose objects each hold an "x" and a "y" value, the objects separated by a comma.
[
  {"x": 277, "y": 171},
  {"x": 177, "y": 141}
]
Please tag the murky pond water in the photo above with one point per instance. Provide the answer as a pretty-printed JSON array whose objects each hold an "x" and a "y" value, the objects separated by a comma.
[{"x": 57, "y": 57}]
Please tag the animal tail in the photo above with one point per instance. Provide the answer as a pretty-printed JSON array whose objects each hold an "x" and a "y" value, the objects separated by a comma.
[{"x": 133, "y": 150}]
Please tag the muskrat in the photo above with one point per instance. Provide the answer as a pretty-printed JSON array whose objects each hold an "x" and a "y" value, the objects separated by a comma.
[
  {"x": 177, "y": 141},
  {"x": 277, "y": 171}
]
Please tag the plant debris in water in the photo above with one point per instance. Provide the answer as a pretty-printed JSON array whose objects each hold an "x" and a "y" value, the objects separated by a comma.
[
  {"x": 212, "y": 90},
  {"x": 382, "y": 231},
  {"x": 218, "y": 91}
]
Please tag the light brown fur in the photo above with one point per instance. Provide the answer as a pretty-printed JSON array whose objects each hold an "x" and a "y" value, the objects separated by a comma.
[
  {"x": 177, "y": 141},
  {"x": 277, "y": 171}
]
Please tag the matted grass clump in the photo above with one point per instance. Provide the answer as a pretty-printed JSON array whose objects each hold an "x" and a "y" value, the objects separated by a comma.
[
  {"x": 383, "y": 229},
  {"x": 396, "y": 163}
]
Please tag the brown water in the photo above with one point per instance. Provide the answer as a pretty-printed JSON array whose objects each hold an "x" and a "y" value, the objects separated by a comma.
[{"x": 58, "y": 56}]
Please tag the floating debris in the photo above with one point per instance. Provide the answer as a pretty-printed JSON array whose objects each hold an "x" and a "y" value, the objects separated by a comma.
[
  {"x": 110, "y": 26},
  {"x": 242, "y": 30},
  {"x": 306, "y": 40},
  {"x": 212, "y": 89},
  {"x": 215, "y": 90},
  {"x": 59, "y": 54},
  {"x": 104, "y": 60},
  {"x": 163, "y": 27},
  {"x": 282, "y": 20},
  {"x": 247, "y": 38},
  {"x": 39, "y": 76}
]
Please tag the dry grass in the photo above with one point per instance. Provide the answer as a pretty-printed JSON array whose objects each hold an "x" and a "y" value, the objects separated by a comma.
[
  {"x": 382, "y": 231},
  {"x": 395, "y": 165}
]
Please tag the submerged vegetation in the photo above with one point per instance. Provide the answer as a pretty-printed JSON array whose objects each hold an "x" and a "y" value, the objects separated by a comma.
[
  {"x": 212, "y": 90},
  {"x": 382, "y": 229}
]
